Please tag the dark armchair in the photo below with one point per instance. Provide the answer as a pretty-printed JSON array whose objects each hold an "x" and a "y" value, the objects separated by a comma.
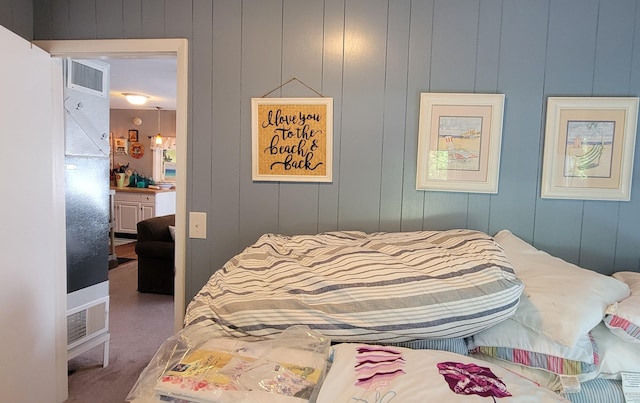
[{"x": 156, "y": 255}]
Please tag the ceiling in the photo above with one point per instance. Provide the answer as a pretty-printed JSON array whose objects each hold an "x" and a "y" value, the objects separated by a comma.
[{"x": 154, "y": 77}]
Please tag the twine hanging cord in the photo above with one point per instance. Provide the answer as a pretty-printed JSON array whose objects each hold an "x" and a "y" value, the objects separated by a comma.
[{"x": 287, "y": 82}]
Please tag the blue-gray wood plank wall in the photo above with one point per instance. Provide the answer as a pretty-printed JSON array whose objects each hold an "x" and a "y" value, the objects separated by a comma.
[{"x": 374, "y": 58}]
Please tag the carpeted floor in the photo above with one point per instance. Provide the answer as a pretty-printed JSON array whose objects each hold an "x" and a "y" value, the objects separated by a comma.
[{"x": 139, "y": 324}]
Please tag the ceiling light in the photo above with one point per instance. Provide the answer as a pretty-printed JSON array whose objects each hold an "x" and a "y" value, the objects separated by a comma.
[{"x": 136, "y": 99}]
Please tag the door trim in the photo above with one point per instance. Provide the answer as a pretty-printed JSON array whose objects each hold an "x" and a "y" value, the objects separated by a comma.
[{"x": 179, "y": 48}]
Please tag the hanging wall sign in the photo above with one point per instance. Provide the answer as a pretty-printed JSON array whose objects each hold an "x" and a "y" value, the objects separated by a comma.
[{"x": 292, "y": 139}]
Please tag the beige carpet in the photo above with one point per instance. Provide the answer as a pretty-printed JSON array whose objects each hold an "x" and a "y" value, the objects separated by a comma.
[{"x": 139, "y": 324}]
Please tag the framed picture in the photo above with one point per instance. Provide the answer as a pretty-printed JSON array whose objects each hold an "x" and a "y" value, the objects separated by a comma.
[
  {"x": 136, "y": 150},
  {"x": 588, "y": 148},
  {"x": 459, "y": 142},
  {"x": 133, "y": 136},
  {"x": 292, "y": 139},
  {"x": 120, "y": 146}
]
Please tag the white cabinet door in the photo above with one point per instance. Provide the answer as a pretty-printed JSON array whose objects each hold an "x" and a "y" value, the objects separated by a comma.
[
  {"x": 147, "y": 211},
  {"x": 127, "y": 216}
]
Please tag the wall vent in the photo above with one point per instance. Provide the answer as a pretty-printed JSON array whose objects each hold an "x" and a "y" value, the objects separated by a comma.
[
  {"x": 88, "y": 76},
  {"x": 76, "y": 326},
  {"x": 87, "y": 322}
]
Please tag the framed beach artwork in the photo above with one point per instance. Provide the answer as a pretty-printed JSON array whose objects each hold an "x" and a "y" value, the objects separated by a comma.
[
  {"x": 459, "y": 139},
  {"x": 589, "y": 148}
]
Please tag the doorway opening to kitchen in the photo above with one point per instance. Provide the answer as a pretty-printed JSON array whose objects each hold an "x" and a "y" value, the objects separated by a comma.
[{"x": 149, "y": 48}]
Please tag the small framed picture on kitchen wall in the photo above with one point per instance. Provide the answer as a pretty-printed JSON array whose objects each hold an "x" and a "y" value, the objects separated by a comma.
[
  {"x": 120, "y": 146},
  {"x": 133, "y": 136}
]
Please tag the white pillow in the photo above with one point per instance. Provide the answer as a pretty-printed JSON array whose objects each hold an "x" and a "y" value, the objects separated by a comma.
[
  {"x": 366, "y": 373},
  {"x": 567, "y": 301},
  {"x": 513, "y": 342},
  {"x": 616, "y": 356},
  {"x": 623, "y": 317},
  {"x": 172, "y": 230}
]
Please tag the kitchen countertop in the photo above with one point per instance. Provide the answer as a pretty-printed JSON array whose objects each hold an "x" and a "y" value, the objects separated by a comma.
[{"x": 141, "y": 190}]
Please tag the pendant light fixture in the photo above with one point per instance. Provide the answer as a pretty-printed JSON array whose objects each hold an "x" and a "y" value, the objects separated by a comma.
[{"x": 158, "y": 136}]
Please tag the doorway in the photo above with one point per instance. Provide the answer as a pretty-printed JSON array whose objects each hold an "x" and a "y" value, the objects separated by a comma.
[{"x": 140, "y": 48}]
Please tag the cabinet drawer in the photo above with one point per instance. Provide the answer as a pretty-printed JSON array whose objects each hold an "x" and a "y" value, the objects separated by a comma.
[
  {"x": 127, "y": 197},
  {"x": 147, "y": 198},
  {"x": 135, "y": 197}
]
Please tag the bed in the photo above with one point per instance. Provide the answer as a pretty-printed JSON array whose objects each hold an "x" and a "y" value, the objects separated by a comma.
[{"x": 454, "y": 315}]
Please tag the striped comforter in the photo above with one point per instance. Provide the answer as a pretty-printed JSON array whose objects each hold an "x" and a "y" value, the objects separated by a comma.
[{"x": 359, "y": 287}]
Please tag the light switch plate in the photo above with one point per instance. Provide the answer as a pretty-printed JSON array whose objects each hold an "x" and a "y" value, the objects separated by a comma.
[{"x": 197, "y": 225}]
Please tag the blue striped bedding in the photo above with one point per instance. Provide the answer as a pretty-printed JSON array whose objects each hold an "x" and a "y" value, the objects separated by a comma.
[
  {"x": 359, "y": 287},
  {"x": 598, "y": 391}
]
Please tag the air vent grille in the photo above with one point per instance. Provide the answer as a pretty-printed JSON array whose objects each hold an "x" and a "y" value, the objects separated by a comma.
[
  {"x": 86, "y": 76},
  {"x": 76, "y": 326}
]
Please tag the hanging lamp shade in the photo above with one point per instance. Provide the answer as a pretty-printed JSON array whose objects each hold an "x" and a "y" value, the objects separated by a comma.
[{"x": 158, "y": 136}]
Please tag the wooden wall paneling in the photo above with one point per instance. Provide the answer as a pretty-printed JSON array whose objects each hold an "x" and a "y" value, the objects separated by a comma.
[
  {"x": 6, "y": 15},
  {"x": 573, "y": 26},
  {"x": 226, "y": 130},
  {"x": 571, "y": 41},
  {"x": 261, "y": 72},
  {"x": 418, "y": 81},
  {"x": 153, "y": 19},
  {"x": 522, "y": 54},
  {"x": 200, "y": 147},
  {"x": 627, "y": 251},
  {"x": 488, "y": 52},
  {"x": 598, "y": 239},
  {"x": 454, "y": 47},
  {"x": 61, "y": 27},
  {"x": 132, "y": 18},
  {"x": 614, "y": 46},
  {"x": 82, "y": 15},
  {"x": 362, "y": 108},
  {"x": 179, "y": 18},
  {"x": 109, "y": 19},
  {"x": 486, "y": 81},
  {"x": 301, "y": 58},
  {"x": 23, "y": 18},
  {"x": 453, "y": 65},
  {"x": 394, "y": 115},
  {"x": 332, "y": 62},
  {"x": 42, "y": 24},
  {"x": 18, "y": 17}
]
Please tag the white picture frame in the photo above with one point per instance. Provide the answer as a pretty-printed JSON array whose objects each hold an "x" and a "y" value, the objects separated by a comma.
[
  {"x": 589, "y": 148},
  {"x": 459, "y": 142}
]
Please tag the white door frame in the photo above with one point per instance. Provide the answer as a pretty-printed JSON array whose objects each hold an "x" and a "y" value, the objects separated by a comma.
[{"x": 179, "y": 47}]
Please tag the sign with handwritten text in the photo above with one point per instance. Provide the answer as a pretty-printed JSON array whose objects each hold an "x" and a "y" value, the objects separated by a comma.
[{"x": 292, "y": 139}]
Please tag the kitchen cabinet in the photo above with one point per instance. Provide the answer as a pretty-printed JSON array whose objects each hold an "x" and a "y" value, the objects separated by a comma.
[{"x": 133, "y": 205}]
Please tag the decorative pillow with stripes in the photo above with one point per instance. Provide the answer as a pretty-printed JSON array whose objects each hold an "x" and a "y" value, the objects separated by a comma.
[
  {"x": 354, "y": 286},
  {"x": 623, "y": 317},
  {"x": 513, "y": 342}
]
